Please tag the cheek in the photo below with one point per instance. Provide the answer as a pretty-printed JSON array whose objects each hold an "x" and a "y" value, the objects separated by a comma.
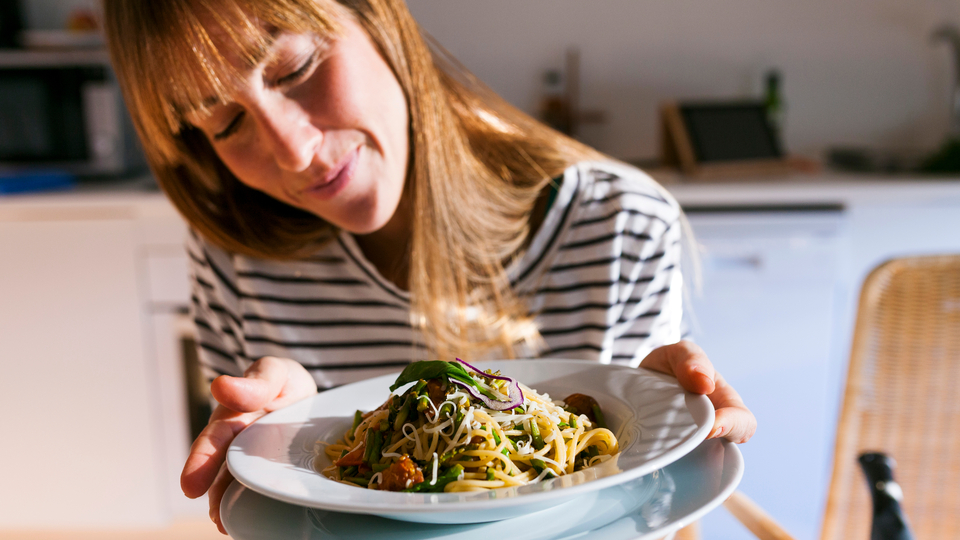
[{"x": 250, "y": 167}]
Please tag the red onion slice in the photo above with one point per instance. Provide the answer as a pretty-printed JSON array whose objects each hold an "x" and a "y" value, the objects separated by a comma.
[{"x": 514, "y": 394}]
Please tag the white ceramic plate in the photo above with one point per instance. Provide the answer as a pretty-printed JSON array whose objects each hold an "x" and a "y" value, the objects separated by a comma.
[
  {"x": 646, "y": 508},
  {"x": 656, "y": 423}
]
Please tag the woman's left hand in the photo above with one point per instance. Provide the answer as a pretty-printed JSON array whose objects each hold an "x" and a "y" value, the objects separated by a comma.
[{"x": 689, "y": 364}]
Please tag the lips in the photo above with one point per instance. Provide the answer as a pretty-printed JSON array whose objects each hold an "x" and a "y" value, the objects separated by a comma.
[{"x": 336, "y": 178}]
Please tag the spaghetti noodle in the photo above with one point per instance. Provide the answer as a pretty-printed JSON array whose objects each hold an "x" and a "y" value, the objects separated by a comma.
[{"x": 459, "y": 429}]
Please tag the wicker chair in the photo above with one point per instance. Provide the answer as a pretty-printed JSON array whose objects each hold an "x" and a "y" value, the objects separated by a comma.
[{"x": 902, "y": 398}]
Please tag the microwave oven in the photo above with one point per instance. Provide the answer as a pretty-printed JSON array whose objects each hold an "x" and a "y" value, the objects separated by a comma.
[{"x": 62, "y": 110}]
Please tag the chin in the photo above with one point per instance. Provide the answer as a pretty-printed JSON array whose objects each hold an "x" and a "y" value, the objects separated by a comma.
[{"x": 359, "y": 225}]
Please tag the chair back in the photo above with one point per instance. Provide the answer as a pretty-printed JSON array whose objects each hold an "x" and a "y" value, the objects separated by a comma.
[{"x": 903, "y": 398}]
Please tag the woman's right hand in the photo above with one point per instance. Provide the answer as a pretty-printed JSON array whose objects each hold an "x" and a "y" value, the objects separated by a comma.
[{"x": 267, "y": 385}]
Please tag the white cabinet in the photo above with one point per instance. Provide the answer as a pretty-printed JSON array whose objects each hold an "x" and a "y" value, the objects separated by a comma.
[
  {"x": 765, "y": 317},
  {"x": 87, "y": 397}
]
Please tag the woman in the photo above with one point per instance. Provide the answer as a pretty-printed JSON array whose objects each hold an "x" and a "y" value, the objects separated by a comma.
[{"x": 359, "y": 202}]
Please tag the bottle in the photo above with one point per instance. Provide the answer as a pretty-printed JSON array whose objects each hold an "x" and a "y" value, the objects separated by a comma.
[
  {"x": 773, "y": 102},
  {"x": 889, "y": 522},
  {"x": 554, "y": 108}
]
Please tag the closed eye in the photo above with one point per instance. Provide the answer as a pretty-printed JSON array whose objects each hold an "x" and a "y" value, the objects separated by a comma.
[
  {"x": 300, "y": 72},
  {"x": 230, "y": 129}
]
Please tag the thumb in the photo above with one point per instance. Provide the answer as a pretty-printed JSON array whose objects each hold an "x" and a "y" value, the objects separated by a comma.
[
  {"x": 261, "y": 384},
  {"x": 687, "y": 362}
]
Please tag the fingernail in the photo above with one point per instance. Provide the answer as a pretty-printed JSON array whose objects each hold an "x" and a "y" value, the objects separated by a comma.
[
  {"x": 717, "y": 432},
  {"x": 702, "y": 374}
]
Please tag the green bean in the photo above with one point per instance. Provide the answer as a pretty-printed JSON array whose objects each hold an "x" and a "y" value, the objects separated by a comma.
[
  {"x": 423, "y": 403},
  {"x": 357, "y": 418},
  {"x": 368, "y": 449},
  {"x": 505, "y": 451},
  {"x": 357, "y": 480},
  {"x": 384, "y": 425},
  {"x": 442, "y": 480},
  {"x": 538, "y": 465},
  {"x": 444, "y": 406},
  {"x": 380, "y": 467},
  {"x": 601, "y": 421},
  {"x": 573, "y": 421},
  {"x": 403, "y": 413},
  {"x": 535, "y": 432},
  {"x": 490, "y": 476},
  {"x": 496, "y": 437},
  {"x": 377, "y": 447}
]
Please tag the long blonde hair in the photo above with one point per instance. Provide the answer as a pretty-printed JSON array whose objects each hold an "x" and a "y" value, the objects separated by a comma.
[{"x": 476, "y": 165}]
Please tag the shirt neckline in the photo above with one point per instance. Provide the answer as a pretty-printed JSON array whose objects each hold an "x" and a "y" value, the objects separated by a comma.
[
  {"x": 349, "y": 245},
  {"x": 519, "y": 270}
]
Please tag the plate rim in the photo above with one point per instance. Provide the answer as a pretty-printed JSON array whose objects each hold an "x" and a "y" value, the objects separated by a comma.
[
  {"x": 697, "y": 404},
  {"x": 735, "y": 456}
]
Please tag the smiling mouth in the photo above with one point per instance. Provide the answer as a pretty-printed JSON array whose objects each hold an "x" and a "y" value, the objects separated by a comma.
[{"x": 336, "y": 178}]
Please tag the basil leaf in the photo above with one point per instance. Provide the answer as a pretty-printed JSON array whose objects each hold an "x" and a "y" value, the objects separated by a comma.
[{"x": 429, "y": 369}]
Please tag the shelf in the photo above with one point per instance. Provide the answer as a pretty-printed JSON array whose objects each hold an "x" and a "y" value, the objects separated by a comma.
[{"x": 32, "y": 58}]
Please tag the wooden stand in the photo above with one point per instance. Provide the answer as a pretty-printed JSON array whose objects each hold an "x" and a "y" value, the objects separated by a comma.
[{"x": 677, "y": 150}]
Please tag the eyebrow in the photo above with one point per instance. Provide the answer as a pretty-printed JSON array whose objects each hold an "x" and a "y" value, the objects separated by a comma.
[{"x": 258, "y": 57}]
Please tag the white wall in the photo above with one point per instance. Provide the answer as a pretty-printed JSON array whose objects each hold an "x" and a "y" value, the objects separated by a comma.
[{"x": 855, "y": 71}]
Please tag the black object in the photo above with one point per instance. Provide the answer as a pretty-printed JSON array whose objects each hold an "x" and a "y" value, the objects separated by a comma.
[
  {"x": 946, "y": 160},
  {"x": 889, "y": 522},
  {"x": 11, "y": 23},
  {"x": 42, "y": 113},
  {"x": 730, "y": 131}
]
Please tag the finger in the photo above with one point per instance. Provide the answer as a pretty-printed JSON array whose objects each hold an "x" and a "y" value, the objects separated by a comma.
[
  {"x": 219, "y": 487},
  {"x": 734, "y": 421},
  {"x": 687, "y": 362},
  {"x": 260, "y": 385},
  {"x": 736, "y": 424},
  {"x": 298, "y": 385},
  {"x": 208, "y": 452}
]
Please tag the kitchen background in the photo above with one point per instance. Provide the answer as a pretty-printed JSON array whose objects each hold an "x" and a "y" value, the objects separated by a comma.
[
  {"x": 783, "y": 257},
  {"x": 856, "y": 72}
]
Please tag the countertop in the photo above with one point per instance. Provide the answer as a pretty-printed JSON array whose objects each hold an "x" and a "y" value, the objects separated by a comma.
[{"x": 140, "y": 196}]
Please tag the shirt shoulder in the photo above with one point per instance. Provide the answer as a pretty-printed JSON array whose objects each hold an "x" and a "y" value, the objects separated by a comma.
[{"x": 610, "y": 189}]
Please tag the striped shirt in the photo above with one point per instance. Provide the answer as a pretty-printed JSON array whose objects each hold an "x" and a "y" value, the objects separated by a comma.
[{"x": 601, "y": 276}]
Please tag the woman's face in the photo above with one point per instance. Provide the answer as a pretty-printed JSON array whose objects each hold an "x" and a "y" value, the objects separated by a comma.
[{"x": 322, "y": 126}]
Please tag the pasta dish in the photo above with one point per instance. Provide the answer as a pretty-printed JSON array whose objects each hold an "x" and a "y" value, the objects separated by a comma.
[{"x": 456, "y": 428}]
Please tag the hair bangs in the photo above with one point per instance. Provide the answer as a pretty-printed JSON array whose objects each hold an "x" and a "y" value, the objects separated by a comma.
[{"x": 192, "y": 54}]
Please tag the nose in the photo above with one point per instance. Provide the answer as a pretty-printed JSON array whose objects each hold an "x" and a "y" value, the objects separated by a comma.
[{"x": 288, "y": 132}]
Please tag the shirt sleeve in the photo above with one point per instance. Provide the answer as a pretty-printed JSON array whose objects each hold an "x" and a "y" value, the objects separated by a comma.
[{"x": 215, "y": 310}]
